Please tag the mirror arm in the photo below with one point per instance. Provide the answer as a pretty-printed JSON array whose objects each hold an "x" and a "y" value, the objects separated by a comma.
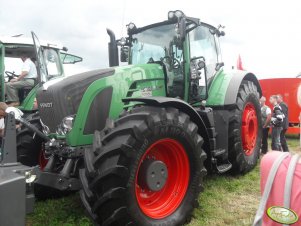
[{"x": 219, "y": 66}]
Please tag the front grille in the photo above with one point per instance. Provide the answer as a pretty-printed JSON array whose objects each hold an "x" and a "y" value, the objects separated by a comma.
[{"x": 63, "y": 98}]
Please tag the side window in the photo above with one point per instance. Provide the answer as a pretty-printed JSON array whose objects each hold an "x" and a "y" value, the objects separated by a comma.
[
  {"x": 202, "y": 44},
  {"x": 52, "y": 63}
]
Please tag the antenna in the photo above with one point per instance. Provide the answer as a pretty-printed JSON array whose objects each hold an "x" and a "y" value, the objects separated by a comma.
[{"x": 123, "y": 15}]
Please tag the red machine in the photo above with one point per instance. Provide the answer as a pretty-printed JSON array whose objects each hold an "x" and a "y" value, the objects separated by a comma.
[{"x": 288, "y": 88}]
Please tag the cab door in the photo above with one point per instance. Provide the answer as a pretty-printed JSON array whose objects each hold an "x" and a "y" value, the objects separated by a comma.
[
  {"x": 204, "y": 58},
  {"x": 41, "y": 65},
  {"x": 2, "y": 55}
]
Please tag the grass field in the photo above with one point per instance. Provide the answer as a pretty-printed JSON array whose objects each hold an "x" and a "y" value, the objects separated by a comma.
[{"x": 226, "y": 200}]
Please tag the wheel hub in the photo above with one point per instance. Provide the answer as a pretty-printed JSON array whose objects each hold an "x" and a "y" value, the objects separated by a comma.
[
  {"x": 160, "y": 194},
  {"x": 153, "y": 175},
  {"x": 249, "y": 129}
]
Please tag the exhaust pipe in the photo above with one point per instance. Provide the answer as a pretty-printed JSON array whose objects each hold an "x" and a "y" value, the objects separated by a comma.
[{"x": 113, "y": 49}]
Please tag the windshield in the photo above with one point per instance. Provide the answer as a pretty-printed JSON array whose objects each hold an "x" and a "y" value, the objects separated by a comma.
[{"x": 152, "y": 44}]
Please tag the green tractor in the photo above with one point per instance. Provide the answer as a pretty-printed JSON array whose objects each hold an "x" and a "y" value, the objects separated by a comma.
[
  {"x": 138, "y": 139},
  {"x": 11, "y": 49},
  {"x": 50, "y": 60}
]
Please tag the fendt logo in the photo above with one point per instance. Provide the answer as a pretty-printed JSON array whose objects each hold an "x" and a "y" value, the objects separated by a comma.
[{"x": 46, "y": 105}]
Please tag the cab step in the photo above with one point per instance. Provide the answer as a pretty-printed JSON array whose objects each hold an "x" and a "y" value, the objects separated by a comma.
[
  {"x": 218, "y": 152},
  {"x": 224, "y": 167}
]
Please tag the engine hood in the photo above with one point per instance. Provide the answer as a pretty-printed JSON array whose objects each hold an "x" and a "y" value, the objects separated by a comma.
[{"x": 61, "y": 97}]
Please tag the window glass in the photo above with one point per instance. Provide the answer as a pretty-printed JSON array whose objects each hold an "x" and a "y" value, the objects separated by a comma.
[
  {"x": 160, "y": 44},
  {"x": 202, "y": 44},
  {"x": 52, "y": 63}
]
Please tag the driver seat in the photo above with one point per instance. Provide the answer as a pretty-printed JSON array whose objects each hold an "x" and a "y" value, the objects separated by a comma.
[{"x": 22, "y": 93}]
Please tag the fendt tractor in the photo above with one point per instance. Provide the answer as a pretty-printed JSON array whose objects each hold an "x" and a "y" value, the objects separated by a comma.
[
  {"x": 51, "y": 70},
  {"x": 138, "y": 139},
  {"x": 12, "y": 48}
]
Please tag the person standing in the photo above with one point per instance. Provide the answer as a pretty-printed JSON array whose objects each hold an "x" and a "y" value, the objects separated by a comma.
[
  {"x": 276, "y": 121},
  {"x": 266, "y": 115},
  {"x": 285, "y": 125},
  {"x": 26, "y": 78}
]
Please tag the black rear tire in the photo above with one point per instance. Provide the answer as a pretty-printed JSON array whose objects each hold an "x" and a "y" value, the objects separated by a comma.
[
  {"x": 110, "y": 167},
  {"x": 242, "y": 160}
]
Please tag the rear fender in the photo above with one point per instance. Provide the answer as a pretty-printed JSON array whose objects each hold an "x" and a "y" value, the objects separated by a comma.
[
  {"x": 235, "y": 82},
  {"x": 224, "y": 88}
]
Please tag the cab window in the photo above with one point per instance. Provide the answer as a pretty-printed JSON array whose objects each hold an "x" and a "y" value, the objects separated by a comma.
[
  {"x": 52, "y": 63},
  {"x": 202, "y": 44}
]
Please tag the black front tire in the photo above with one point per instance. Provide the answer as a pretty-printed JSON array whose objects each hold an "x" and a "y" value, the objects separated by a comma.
[
  {"x": 29, "y": 145},
  {"x": 110, "y": 167},
  {"x": 243, "y": 163}
]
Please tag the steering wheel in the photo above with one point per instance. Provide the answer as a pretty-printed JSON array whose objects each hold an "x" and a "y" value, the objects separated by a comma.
[
  {"x": 176, "y": 64},
  {"x": 10, "y": 75}
]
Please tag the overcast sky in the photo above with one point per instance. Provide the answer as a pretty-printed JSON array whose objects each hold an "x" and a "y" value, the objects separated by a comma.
[{"x": 266, "y": 34}]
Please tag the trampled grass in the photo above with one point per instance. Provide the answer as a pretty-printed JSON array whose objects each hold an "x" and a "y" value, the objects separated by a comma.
[{"x": 226, "y": 200}]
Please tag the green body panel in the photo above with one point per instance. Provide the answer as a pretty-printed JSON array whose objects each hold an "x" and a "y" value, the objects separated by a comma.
[
  {"x": 218, "y": 88},
  {"x": 27, "y": 103},
  {"x": 127, "y": 81}
]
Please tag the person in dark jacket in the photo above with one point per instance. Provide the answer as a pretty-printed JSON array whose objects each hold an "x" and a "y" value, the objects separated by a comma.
[
  {"x": 266, "y": 115},
  {"x": 276, "y": 121},
  {"x": 284, "y": 109}
]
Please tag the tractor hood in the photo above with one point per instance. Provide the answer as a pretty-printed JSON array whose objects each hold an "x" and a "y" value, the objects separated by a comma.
[{"x": 61, "y": 98}]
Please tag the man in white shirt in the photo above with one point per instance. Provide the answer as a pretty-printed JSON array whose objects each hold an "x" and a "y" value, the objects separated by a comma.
[{"x": 26, "y": 78}]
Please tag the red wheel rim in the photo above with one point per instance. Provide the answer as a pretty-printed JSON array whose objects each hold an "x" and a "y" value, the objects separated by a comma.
[
  {"x": 163, "y": 203},
  {"x": 249, "y": 129},
  {"x": 42, "y": 159}
]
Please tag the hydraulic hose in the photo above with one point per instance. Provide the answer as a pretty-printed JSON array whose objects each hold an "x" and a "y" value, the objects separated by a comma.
[{"x": 33, "y": 129}]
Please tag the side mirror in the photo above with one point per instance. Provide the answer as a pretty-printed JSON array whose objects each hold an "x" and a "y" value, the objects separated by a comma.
[
  {"x": 198, "y": 79},
  {"x": 124, "y": 53},
  {"x": 69, "y": 58},
  {"x": 201, "y": 65}
]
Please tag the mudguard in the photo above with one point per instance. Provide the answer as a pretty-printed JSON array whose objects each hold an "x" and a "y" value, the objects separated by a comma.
[
  {"x": 175, "y": 103},
  {"x": 224, "y": 88}
]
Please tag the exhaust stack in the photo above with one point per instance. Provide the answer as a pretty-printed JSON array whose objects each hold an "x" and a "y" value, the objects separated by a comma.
[{"x": 113, "y": 49}]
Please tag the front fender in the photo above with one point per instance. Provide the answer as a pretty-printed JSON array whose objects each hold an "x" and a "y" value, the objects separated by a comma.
[
  {"x": 175, "y": 103},
  {"x": 27, "y": 103}
]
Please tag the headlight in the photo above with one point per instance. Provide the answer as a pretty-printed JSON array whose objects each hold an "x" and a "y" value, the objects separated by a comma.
[
  {"x": 175, "y": 14},
  {"x": 66, "y": 125}
]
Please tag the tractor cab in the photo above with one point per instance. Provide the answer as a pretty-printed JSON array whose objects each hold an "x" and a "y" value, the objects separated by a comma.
[
  {"x": 48, "y": 58},
  {"x": 187, "y": 49}
]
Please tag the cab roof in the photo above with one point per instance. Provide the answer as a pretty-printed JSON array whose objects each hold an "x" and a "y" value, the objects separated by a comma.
[{"x": 28, "y": 41}]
